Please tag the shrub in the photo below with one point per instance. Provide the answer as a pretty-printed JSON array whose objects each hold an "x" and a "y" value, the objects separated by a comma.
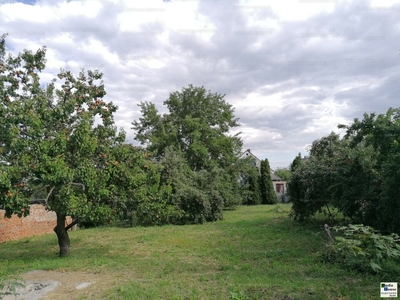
[
  {"x": 362, "y": 248},
  {"x": 199, "y": 195}
]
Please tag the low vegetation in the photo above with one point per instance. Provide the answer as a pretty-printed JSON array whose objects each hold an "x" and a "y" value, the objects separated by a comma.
[
  {"x": 362, "y": 248},
  {"x": 256, "y": 252}
]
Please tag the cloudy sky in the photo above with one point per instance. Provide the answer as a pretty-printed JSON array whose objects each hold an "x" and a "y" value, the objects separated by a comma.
[{"x": 292, "y": 69}]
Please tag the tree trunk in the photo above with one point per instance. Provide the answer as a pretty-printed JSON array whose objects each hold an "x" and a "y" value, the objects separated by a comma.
[{"x": 62, "y": 235}]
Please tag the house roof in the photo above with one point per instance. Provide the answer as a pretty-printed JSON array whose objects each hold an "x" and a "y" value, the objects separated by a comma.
[
  {"x": 275, "y": 177},
  {"x": 247, "y": 153}
]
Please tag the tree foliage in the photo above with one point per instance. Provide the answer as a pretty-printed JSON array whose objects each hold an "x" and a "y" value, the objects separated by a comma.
[
  {"x": 63, "y": 140},
  {"x": 249, "y": 181},
  {"x": 381, "y": 133},
  {"x": 333, "y": 175},
  {"x": 296, "y": 162},
  {"x": 283, "y": 173},
  {"x": 142, "y": 200},
  {"x": 197, "y": 124},
  {"x": 268, "y": 195},
  {"x": 198, "y": 196},
  {"x": 357, "y": 174},
  {"x": 196, "y": 128},
  {"x": 254, "y": 187}
]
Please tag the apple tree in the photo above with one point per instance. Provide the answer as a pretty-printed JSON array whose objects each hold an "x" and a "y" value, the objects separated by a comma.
[{"x": 61, "y": 140}]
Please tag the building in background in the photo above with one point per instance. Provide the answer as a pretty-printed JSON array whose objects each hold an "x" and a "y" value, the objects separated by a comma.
[{"x": 280, "y": 185}]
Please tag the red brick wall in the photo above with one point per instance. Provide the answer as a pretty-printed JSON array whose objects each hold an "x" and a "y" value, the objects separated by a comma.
[{"x": 38, "y": 222}]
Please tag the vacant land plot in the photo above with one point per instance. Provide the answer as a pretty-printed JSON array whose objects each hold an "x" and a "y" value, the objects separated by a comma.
[{"x": 255, "y": 253}]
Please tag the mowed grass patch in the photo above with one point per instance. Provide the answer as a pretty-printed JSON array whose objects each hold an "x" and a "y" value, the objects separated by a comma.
[{"x": 257, "y": 252}]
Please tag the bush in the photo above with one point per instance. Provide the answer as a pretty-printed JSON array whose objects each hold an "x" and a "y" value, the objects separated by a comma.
[
  {"x": 362, "y": 248},
  {"x": 199, "y": 195}
]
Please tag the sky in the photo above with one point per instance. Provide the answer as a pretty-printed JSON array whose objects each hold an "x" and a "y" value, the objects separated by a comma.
[{"x": 293, "y": 70}]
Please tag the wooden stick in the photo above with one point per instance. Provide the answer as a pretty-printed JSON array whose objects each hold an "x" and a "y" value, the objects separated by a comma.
[{"x": 328, "y": 232}]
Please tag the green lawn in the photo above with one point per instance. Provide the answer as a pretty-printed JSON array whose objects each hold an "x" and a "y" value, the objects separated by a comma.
[{"x": 257, "y": 252}]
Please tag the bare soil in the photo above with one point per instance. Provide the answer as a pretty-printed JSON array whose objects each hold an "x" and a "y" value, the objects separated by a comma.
[{"x": 71, "y": 285}]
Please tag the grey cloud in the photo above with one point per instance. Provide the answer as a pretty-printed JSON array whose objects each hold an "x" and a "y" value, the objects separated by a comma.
[{"x": 348, "y": 58}]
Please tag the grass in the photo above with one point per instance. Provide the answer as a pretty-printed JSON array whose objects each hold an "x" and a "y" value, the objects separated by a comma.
[{"x": 257, "y": 252}]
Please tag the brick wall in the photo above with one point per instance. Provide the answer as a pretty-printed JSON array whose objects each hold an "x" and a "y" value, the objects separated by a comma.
[{"x": 38, "y": 222}]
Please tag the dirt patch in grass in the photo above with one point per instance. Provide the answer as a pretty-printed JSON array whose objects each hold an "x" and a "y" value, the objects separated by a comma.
[{"x": 72, "y": 285}]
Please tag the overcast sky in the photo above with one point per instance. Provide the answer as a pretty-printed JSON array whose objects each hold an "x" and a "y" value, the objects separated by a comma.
[{"x": 292, "y": 69}]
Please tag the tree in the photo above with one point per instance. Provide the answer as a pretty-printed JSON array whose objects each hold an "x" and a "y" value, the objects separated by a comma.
[
  {"x": 296, "y": 162},
  {"x": 335, "y": 175},
  {"x": 268, "y": 196},
  {"x": 199, "y": 196},
  {"x": 59, "y": 139},
  {"x": 246, "y": 170},
  {"x": 254, "y": 187},
  {"x": 144, "y": 200},
  {"x": 381, "y": 133},
  {"x": 283, "y": 173},
  {"x": 197, "y": 124}
]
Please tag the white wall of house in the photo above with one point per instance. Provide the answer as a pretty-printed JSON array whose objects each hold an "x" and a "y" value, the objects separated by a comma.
[{"x": 257, "y": 161}]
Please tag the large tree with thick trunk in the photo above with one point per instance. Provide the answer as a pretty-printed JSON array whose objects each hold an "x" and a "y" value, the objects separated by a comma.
[{"x": 59, "y": 140}]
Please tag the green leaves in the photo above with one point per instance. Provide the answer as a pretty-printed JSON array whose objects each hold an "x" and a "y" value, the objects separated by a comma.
[
  {"x": 48, "y": 138},
  {"x": 197, "y": 124},
  {"x": 340, "y": 173},
  {"x": 382, "y": 134},
  {"x": 268, "y": 195},
  {"x": 362, "y": 248}
]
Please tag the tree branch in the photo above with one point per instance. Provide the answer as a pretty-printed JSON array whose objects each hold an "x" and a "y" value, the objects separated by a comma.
[
  {"x": 80, "y": 184},
  {"x": 48, "y": 195},
  {"x": 74, "y": 222}
]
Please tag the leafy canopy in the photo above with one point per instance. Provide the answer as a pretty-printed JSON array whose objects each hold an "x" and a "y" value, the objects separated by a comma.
[
  {"x": 197, "y": 124},
  {"x": 49, "y": 137}
]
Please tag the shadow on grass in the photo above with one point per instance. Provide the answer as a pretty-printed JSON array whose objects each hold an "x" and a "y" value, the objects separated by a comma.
[{"x": 43, "y": 253}]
